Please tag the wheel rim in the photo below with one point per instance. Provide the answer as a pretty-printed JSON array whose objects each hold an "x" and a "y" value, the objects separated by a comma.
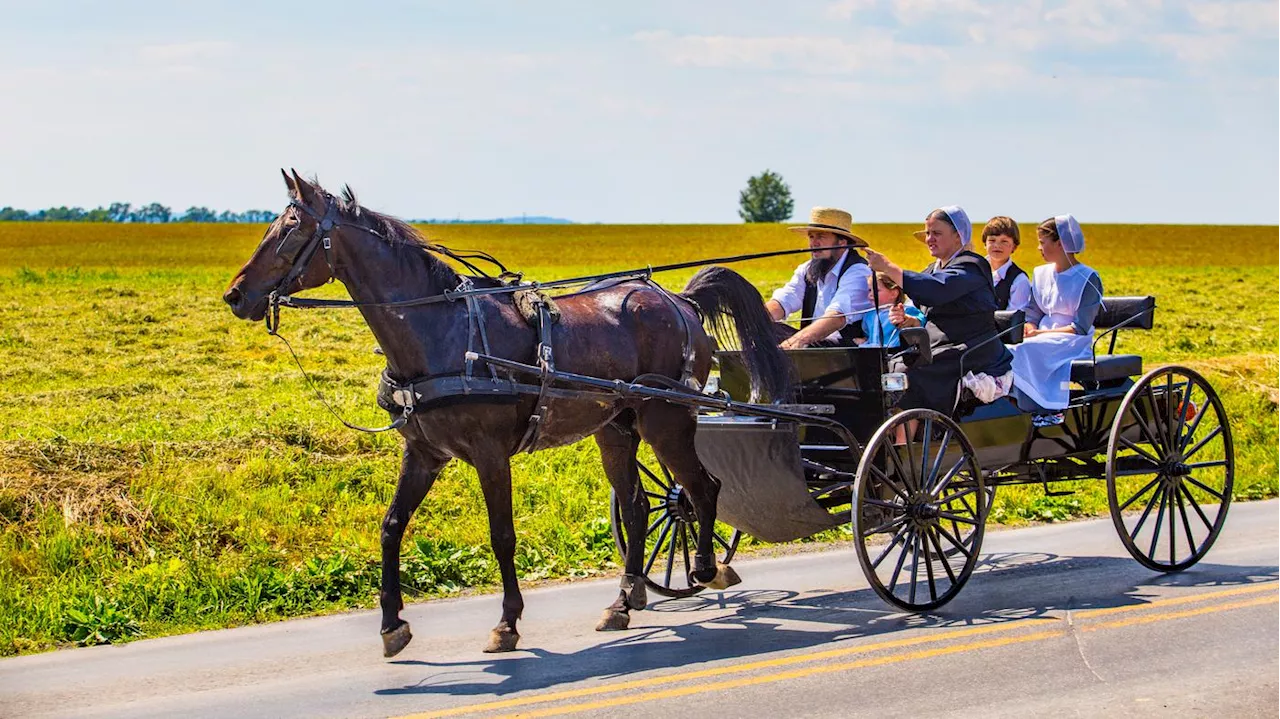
[
  {"x": 927, "y": 500},
  {"x": 671, "y": 534},
  {"x": 1170, "y": 469}
]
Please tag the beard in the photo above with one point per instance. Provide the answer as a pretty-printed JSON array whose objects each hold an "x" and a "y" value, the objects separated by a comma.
[{"x": 818, "y": 268}]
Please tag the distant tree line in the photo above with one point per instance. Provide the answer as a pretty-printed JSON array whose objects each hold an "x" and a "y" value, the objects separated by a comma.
[{"x": 125, "y": 212}]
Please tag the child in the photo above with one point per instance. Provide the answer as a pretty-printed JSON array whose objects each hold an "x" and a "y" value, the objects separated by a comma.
[
  {"x": 1013, "y": 288},
  {"x": 877, "y": 326}
]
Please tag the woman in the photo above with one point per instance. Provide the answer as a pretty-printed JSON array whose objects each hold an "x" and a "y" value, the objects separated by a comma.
[
  {"x": 1065, "y": 299},
  {"x": 1013, "y": 289},
  {"x": 958, "y": 302}
]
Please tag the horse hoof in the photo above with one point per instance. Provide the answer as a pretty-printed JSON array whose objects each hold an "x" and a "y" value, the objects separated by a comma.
[
  {"x": 396, "y": 640},
  {"x": 502, "y": 640},
  {"x": 725, "y": 577},
  {"x": 613, "y": 621}
]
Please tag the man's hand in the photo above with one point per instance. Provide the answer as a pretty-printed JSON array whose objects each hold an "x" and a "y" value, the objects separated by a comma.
[{"x": 794, "y": 342}]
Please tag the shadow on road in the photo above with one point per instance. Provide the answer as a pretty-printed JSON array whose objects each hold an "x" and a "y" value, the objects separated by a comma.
[{"x": 741, "y": 624}]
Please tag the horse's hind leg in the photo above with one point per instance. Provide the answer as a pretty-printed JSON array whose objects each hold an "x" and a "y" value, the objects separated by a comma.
[
  {"x": 418, "y": 472},
  {"x": 495, "y": 481},
  {"x": 618, "y": 443},
  {"x": 669, "y": 430}
]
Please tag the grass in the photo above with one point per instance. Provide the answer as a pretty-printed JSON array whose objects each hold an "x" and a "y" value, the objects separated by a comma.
[{"x": 163, "y": 467}]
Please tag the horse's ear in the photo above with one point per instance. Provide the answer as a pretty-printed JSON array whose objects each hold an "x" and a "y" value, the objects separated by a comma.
[
  {"x": 306, "y": 192},
  {"x": 288, "y": 182}
]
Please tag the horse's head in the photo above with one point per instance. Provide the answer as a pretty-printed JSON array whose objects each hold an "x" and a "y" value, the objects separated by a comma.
[{"x": 291, "y": 256}]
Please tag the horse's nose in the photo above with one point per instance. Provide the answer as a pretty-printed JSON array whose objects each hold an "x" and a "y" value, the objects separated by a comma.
[{"x": 233, "y": 297}]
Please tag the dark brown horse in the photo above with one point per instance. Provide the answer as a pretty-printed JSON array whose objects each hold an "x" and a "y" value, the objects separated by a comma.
[{"x": 623, "y": 331}]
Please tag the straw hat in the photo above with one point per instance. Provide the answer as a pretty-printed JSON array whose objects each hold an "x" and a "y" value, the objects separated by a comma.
[
  {"x": 920, "y": 235},
  {"x": 829, "y": 219}
]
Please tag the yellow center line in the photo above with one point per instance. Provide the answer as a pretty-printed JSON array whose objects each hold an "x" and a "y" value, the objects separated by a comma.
[
  {"x": 1165, "y": 616},
  {"x": 834, "y": 653},
  {"x": 792, "y": 674}
]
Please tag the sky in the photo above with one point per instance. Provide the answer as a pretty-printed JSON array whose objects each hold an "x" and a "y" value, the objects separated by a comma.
[{"x": 1113, "y": 110}]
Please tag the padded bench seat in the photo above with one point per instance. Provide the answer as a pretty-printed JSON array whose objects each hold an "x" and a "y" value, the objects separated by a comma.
[{"x": 1106, "y": 368}]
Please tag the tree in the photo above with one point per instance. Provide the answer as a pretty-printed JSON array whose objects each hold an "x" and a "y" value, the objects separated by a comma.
[{"x": 766, "y": 199}]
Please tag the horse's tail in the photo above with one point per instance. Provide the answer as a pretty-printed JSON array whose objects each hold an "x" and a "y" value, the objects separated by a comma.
[{"x": 724, "y": 298}]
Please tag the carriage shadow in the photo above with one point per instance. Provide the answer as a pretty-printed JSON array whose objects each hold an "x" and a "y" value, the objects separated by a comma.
[{"x": 729, "y": 625}]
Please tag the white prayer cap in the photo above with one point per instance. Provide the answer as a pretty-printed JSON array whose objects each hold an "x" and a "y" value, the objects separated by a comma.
[
  {"x": 1069, "y": 233},
  {"x": 960, "y": 219}
]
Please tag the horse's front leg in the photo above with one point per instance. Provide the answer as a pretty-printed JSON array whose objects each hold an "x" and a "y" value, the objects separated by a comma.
[
  {"x": 418, "y": 472},
  {"x": 618, "y": 445},
  {"x": 495, "y": 481},
  {"x": 669, "y": 429}
]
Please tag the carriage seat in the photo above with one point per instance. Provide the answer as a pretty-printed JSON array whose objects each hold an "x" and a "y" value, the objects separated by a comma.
[{"x": 1130, "y": 313}]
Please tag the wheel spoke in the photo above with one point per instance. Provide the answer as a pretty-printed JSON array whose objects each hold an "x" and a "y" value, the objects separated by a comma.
[
  {"x": 881, "y": 503},
  {"x": 715, "y": 536},
  {"x": 1196, "y": 506},
  {"x": 1186, "y": 523},
  {"x": 942, "y": 452},
  {"x": 654, "y": 495},
  {"x": 1181, "y": 409},
  {"x": 1145, "y": 429},
  {"x": 657, "y": 546},
  {"x": 954, "y": 540},
  {"x": 956, "y": 518},
  {"x": 684, "y": 547},
  {"x": 918, "y": 481},
  {"x": 950, "y": 475},
  {"x": 1133, "y": 535},
  {"x": 1200, "y": 445},
  {"x": 942, "y": 556},
  {"x": 884, "y": 527},
  {"x": 889, "y": 482},
  {"x": 1141, "y": 492},
  {"x": 671, "y": 553},
  {"x": 1141, "y": 452},
  {"x": 1206, "y": 465},
  {"x": 915, "y": 567},
  {"x": 1195, "y": 424},
  {"x": 1169, "y": 402},
  {"x": 889, "y": 547},
  {"x": 656, "y": 522},
  {"x": 926, "y": 429},
  {"x": 1157, "y": 420},
  {"x": 928, "y": 565},
  {"x": 892, "y": 451},
  {"x": 944, "y": 501},
  {"x": 1202, "y": 486},
  {"x": 902, "y": 557},
  {"x": 1155, "y": 536},
  {"x": 666, "y": 485},
  {"x": 1173, "y": 532}
]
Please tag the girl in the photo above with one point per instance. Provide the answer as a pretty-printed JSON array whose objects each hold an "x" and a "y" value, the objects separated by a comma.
[{"x": 1065, "y": 299}]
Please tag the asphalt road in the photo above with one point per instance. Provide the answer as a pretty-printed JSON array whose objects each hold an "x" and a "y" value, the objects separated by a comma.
[{"x": 1057, "y": 621}]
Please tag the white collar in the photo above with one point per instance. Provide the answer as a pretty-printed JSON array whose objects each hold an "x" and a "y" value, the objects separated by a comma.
[{"x": 1004, "y": 270}]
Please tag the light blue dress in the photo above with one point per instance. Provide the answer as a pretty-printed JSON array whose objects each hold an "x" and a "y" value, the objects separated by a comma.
[{"x": 880, "y": 331}]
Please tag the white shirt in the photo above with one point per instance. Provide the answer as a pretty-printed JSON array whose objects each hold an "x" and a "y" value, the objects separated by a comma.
[
  {"x": 850, "y": 296},
  {"x": 1020, "y": 293}
]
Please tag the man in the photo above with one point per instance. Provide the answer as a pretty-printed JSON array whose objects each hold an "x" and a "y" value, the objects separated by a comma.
[{"x": 830, "y": 289}]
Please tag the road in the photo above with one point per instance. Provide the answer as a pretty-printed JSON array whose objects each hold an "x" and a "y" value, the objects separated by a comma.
[{"x": 1057, "y": 621}]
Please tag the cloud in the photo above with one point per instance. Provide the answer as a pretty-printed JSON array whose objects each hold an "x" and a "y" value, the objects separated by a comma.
[
  {"x": 1247, "y": 18},
  {"x": 186, "y": 52},
  {"x": 819, "y": 55},
  {"x": 846, "y": 9}
]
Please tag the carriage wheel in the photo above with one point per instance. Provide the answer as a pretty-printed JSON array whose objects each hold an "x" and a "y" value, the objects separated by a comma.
[
  {"x": 926, "y": 500},
  {"x": 671, "y": 536},
  {"x": 1170, "y": 469}
]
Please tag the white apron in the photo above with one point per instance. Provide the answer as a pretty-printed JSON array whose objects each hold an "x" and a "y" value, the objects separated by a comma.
[{"x": 1042, "y": 364}]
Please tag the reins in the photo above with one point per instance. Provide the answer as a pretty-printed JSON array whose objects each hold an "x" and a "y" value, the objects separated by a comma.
[{"x": 300, "y": 259}]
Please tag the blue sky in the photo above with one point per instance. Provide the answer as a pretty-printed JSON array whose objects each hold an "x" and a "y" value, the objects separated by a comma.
[{"x": 1114, "y": 110}]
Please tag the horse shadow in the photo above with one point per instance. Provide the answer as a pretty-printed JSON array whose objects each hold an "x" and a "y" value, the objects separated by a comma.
[{"x": 1005, "y": 587}]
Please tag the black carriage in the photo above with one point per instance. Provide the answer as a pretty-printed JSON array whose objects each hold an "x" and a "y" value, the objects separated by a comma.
[{"x": 917, "y": 485}]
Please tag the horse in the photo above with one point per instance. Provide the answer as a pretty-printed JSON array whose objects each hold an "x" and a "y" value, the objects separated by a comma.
[{"x": 618, "y": 330}]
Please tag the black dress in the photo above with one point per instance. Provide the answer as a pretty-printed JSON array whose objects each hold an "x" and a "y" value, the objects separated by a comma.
[{"x": 958, "y": 302}]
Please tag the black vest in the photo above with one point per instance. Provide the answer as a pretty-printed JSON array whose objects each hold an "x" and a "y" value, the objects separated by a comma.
[
  {"x": 1005, "y": 287},
  {"x": 810, "y": 305}
]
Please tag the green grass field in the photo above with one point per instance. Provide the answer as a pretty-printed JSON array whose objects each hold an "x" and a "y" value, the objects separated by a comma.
[{"x": 164, "y": 468}]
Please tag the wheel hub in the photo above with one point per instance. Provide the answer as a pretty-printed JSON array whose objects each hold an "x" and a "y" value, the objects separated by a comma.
[{"x": 678, "y": 504}]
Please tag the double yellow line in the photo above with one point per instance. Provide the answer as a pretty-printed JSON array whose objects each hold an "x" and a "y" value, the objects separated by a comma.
[{"x": 1059, "y": 629}]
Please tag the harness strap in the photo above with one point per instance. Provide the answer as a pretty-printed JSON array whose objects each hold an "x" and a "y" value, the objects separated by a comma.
[{"x": 547, "y": 366}]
